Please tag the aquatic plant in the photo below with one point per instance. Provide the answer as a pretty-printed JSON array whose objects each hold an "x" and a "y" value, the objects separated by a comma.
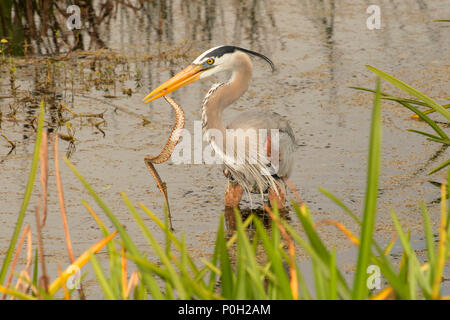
[
  {"x": 235, "y": 270},
  {"x": 424, "y": 101}
]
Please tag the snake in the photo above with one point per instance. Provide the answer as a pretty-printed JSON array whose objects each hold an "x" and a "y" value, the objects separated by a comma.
[{"x": 167, "y": 151}]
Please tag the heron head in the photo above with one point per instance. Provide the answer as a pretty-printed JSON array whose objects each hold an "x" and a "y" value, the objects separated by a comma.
[{"x": 212, "y": 61}]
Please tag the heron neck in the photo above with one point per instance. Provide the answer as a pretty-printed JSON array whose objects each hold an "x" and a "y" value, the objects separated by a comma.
[{"x": 221, "y": 96}]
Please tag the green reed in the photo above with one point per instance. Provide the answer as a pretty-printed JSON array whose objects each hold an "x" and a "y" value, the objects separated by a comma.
[
  {"x": 424, "y": 101},
  {"x": 255, "y": 261}
]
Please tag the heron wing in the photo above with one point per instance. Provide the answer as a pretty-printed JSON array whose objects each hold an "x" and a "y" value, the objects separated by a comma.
[{"x": 271, "y": 120}]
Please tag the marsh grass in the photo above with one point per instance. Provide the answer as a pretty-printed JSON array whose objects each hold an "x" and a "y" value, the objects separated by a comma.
[
  {"x": 424, "y": 101},
  {"x": 235, "y": 271},
  {"x": 70, "y": 81}
]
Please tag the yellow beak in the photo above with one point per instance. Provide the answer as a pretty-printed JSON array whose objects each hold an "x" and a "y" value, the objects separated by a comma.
[{"x": 190, "y": 74}]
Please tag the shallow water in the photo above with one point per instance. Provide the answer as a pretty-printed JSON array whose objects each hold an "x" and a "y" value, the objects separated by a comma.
[{"x": 319, "y": 48}]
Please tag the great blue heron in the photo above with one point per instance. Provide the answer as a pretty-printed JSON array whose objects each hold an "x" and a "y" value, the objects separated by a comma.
[{"x": 247, "y": 175}]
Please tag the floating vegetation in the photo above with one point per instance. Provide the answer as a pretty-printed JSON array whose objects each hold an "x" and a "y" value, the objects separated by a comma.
[
  {"x": 12, "y": 144},
  {"x": 60, "y": 80},
  {"x": 171, "y": 273},
  {"x": 44, "y": 78}
]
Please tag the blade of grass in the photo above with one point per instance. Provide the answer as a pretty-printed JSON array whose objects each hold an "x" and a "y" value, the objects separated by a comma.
[
  {"x": 340, "y": 204},
  {"x": 27, "y": 195},
  {"x": 407, "y": 103},
  {"x": 360, "y": 289},
  {"x": 442, "y": 247},
  {"x": 352, "y": 215},
  {"x": 412, "y": 282},
  {"x": 305, "y": 219},
  {"x": 353, "y": 239},
  {"x": 38, "y": 292},
  {"x": 423, "y": 133},
  {"x": 401, "y": 85},
  {"x": 382, "y": 261},
  {"x": 428, "y": 111},
  {"x": 101, "y": 278},
  {"x": 445, "y": 197},
  {"x": 390, "y": 245},
  {"x": 427, "y": 119},
  {"x": 215, "y": 257},
  {"x": 440, "y": 167},
  {"x": 250, "y": 260},
  {"x": 168, "y": 222},
  {"x": 317, "y": 248},
  {"x": 429, "y": 239},
  {"x": 227, "y": 277},
  {"x": 305, "y": 294},
  {"x": 25, "y": 232},
  {"x": 62, "y": 205},
  {"x": 333, "y": 276},
  {"x": 15, "y": 293},
  {"x": 132, "y": 283},
  {"x": 44, "y": 279},
  {"x": 291, "y": 250},
  {"x": 80, "y": 262},
  {"x": 66, "y": 292},
  {"x": 173, "y": 238},
  {"x": 165, "y": 259},
  {"x": 35, "y": 269},
  {"x": 148, "y": 266},
  {"x": 273, "y": 255},
  {"x": 384, "y": 294},
  {"x": 43, "y": 160},
  {"x": 319, "y": 282},
  {"x": 124, "y": 275},
  {"x": 147, "y": 277},
  {"x": 387, "y": 96},
  {"x": 443, "y": 141},
  {"x": 240, "y": 289},
  {"x": 343, "y": 289},
  {"x": 114, "y": 261},
  {"x": 426, "y": 289},
  {"x": 62, "y": 208}
]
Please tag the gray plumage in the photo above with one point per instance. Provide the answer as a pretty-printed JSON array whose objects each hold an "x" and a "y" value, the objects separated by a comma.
[
  {"x": 271, "y": 120},
  {"x": 261, "y": 140},
  {"x": 253, "y": 173}
]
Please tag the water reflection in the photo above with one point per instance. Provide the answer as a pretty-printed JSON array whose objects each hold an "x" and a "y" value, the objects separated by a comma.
[
  {"x": 132, "y": 27},
  {"x": 33, "y": 30},
  {"x": 163, "y": 35},
  {"x": 133, "y": 45},
  {"x": 244, "y": 213},
  {"x": 150, "y": 36},
  {"x": 322, "y": 14},
  {"x": 109, "y": 23}
]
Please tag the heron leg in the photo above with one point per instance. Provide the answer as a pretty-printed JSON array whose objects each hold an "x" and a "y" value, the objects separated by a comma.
[
  {"x": 230, "y": 219},
  {"x": 233, "y": 195},
  {"x": 280, "y": 198}
]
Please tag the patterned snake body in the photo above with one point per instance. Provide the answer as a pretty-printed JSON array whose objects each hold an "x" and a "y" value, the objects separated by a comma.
[{"x": 167, "y": 150}]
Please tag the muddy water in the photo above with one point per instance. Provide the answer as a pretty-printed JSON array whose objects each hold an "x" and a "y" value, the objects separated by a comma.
[{"x": 319, "y": 48}]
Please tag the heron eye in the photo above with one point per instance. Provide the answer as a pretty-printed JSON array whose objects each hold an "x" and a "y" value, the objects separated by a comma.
[{"x": 210, "y": 61}]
